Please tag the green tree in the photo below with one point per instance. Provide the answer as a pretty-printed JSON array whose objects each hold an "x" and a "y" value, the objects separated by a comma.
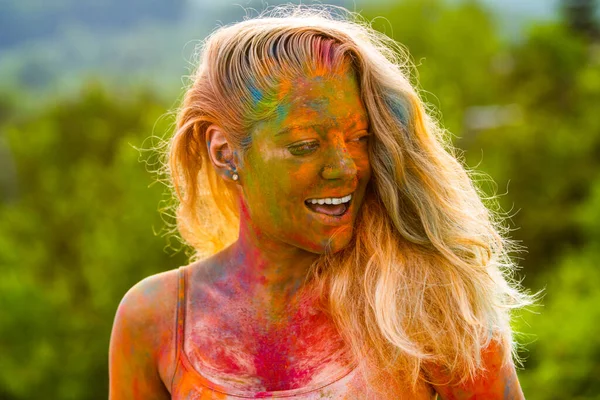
[{"x": 75, "y": 238}]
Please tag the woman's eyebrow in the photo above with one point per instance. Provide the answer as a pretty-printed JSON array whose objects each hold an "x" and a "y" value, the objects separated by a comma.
[
  {"x": 298, "y": 127},
  {"x": 349, "y": 125}
]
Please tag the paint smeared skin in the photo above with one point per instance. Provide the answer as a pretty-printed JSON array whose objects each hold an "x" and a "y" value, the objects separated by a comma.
[
  {"x": 272, "y": 335},
  {"x": 257, "y": 347},
  {"x": 141, "y": 350},
  {"x": 276, "y": 183},
  {"x": 497, "y": 382}
]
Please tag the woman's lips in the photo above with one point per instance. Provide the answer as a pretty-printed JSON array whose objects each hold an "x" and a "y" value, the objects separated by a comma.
[{"x": 334, "y": 210}]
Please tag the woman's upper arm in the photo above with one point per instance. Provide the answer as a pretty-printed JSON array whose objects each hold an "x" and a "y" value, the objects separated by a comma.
[
  {"x": 141, "y": 336},
  {"x": 498, "y": 382}
]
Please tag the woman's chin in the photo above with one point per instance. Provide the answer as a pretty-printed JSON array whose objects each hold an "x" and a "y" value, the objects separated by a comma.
[{"x": 331, "y": 244}]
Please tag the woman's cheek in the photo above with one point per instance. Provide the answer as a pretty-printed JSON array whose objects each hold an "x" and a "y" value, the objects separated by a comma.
[
  {"x": 305, "y": 171},
  {"x": 363, "y": 167}
]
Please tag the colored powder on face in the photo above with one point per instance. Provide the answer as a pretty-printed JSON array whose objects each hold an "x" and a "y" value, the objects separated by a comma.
[{"x": 331, "y": 103}]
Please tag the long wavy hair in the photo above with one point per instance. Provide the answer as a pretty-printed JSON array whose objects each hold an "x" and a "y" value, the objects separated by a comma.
[{"x": 427, "y": 279}]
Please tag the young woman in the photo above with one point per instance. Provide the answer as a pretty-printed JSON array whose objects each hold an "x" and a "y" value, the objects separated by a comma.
[{"x": 342, "y": 250}]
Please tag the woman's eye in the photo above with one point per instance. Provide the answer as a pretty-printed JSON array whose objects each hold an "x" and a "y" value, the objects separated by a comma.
[
  {"x": 361, "y": 139},
  {"x": 303, "y": 148}
]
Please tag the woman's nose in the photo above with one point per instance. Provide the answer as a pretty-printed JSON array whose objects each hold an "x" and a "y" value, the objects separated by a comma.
[{"x": 339, "y": 163}]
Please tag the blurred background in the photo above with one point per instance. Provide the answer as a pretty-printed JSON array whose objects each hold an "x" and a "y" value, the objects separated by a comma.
[{"x": 83, "y": 83}]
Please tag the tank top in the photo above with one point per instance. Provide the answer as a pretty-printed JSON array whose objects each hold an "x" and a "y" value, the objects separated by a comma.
[{"x": 189, "y": 384}]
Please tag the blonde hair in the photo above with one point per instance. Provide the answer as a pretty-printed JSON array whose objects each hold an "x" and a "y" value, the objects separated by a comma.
[{"x": 427, "y": 278}]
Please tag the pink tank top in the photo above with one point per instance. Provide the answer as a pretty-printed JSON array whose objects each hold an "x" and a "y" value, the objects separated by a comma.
[{"x": 189, "y": 384}]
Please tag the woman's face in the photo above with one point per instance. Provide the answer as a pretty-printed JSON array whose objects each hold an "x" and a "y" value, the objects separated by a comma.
[{"x": 314, "y": 151}]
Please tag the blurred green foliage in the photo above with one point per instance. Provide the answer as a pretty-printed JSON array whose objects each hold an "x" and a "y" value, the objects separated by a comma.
[
  {"x": 75, "y": 234},
  {"x": 78, "y": 213}
]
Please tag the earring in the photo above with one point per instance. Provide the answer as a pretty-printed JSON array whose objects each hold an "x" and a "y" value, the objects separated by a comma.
[{"x": 234, "y": 176}]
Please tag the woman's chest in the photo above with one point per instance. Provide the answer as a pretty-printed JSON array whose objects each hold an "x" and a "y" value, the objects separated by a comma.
[{"x": 248, "y": 349}]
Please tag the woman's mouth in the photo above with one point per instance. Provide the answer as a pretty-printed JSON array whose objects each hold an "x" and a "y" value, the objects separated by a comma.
[{"x": 333, "y": 206}]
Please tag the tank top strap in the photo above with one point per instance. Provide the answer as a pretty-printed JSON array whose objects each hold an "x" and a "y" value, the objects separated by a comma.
[
  {"x": 180, "y": 323},
  {"x": 181, "y": 306}
]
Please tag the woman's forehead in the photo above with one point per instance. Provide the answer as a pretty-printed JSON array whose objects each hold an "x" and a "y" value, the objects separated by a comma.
[
  {"x": 295, "y": 84},
  {"x": 319, "y": 102},
  {"x": 337, "y": 94},
  {"x": 315, "y": 120}
]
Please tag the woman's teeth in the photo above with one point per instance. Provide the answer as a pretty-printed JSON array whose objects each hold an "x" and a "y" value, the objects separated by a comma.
[{"x": 330, "y": 200}]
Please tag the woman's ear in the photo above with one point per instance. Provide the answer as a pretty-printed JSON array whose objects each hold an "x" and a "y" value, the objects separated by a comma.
[{"x": 221, "y": 153}]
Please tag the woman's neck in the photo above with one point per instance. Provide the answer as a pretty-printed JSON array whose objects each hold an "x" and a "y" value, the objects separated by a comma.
[
  {"x": 271, "y": 272},
  {"x": 273, "y": 267}
]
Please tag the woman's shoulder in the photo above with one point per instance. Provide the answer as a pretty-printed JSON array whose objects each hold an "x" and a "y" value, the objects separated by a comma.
[
  {"x": 154, "y": 298},
  {"x": 145, "y": 321},
  {"x": 150, "y": 297}
]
